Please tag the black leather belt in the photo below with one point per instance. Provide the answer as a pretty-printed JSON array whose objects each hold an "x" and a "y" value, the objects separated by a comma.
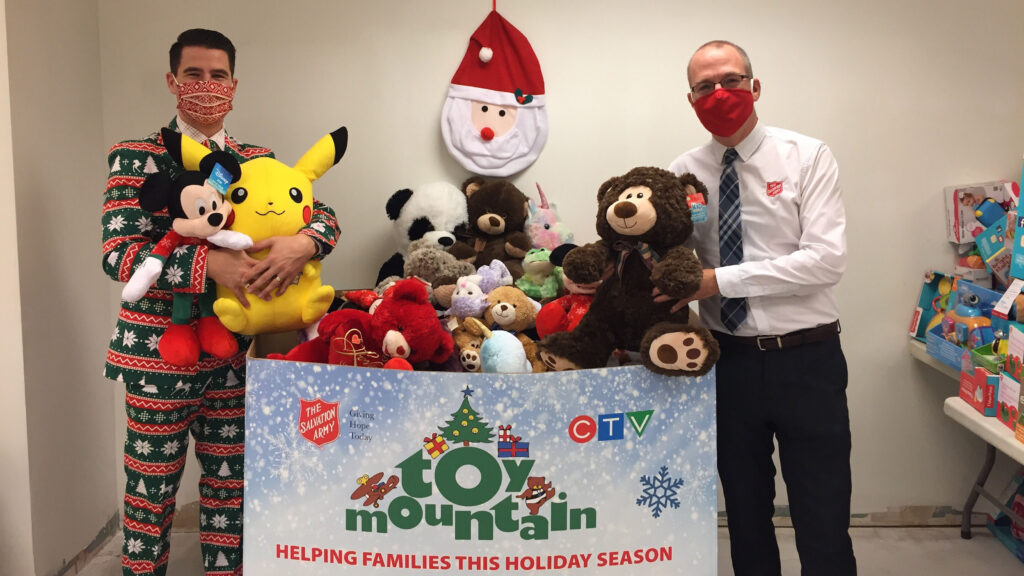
[{"x": 791, "y": 340}]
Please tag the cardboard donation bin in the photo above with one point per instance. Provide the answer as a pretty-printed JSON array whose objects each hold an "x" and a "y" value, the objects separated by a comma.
[{"x": 369, "y": 471}]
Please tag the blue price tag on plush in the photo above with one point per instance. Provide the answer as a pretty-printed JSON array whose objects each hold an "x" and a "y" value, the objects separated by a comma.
[
  {"x": 698, "y": 210},
  {"x": 220, "y": 178}
]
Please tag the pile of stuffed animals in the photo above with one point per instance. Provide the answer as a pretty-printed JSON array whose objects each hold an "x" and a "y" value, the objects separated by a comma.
[{"x": 485, "y": 280}]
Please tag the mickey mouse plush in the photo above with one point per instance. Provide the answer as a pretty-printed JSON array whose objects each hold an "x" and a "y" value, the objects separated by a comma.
[{"x": 200, "y": 214}]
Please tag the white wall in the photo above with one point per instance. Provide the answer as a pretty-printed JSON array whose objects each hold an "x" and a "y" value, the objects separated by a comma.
[
  {"x": 15, "y": 492},
  {"x": 911, "y": 96},
  {"x": 59, "y": 153}
]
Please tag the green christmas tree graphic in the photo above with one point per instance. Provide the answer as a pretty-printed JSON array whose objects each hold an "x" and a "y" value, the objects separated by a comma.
[{"x": 466, "y": 425}]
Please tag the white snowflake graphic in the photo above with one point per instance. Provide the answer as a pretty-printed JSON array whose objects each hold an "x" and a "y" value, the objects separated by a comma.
[
  {"x": 133, "y": 545},
  {"x": 228, "y": 431},
  {"x": 115, "y": 223},
  {"x": 174, "y": 275},
  {"x": 112, "y": 258},
  {"x": 144, "y": 224},
  {"x": 171, "y": 447},
  {"x": 180, "y": 250},
  {"x": 152, "y": 342},
  {"x": 219, "y": 521},
  {"x": 129, "y": 338},
  {"x": 143, "y": 447},
  {"x": 113, "y": 336},
  {"x": 659, "y": 492},
  {"x": 318, "y": 226},
  {"x": 289, "y": 461},
  {"x": 202, "y": 519}
]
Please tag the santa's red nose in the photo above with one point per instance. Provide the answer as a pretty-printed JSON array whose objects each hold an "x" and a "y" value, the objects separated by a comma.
[{"x": 487, "y": 134}]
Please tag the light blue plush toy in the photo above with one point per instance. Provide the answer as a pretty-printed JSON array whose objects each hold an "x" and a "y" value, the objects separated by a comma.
[{"x": 501, "y": 352}]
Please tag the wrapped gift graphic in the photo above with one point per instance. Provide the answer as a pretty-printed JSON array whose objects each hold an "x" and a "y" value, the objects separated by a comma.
[
  {"x": 435, "y": 445},
  {"x": 505, "y": 433},
  {"x": 514, "y": 449}
]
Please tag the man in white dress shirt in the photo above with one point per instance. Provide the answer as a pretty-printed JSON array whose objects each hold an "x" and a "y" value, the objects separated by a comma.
[{"x": 773, "y": 245}]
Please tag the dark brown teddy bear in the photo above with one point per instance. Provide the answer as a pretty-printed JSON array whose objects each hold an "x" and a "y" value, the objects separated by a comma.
[
  {"x": 497, "y": 214},
  {"x": 643, "y": 219}
]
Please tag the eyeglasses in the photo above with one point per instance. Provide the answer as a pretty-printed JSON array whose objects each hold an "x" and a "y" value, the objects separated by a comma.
[{"x": 729, "y": 81}]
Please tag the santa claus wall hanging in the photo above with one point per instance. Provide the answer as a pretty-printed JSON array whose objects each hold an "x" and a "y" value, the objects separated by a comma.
[{"x": 494, "y": 120}]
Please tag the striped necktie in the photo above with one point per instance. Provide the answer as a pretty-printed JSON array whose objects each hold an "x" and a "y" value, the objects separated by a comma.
[{"x": 730, "y": 236}]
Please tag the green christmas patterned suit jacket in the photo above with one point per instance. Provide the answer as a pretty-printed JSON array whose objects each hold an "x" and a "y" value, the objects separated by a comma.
[{"x": 130, "y": 233}]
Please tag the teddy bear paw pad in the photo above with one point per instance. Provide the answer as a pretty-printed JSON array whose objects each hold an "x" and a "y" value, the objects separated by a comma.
[
  {"x": 679, "y": 351},
  {"x": 470, "y": 360}
]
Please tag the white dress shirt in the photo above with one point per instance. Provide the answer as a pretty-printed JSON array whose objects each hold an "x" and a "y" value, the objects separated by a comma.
[
  {"x": 193, "y": 133},
  {"x": 794, "y": 231}
]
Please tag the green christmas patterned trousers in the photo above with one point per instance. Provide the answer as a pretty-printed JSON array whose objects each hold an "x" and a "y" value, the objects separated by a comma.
[{"x": 210, "y": 406}]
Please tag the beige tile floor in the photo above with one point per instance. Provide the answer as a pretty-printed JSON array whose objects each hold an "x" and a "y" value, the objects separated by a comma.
[{"x": 934, "y": 551}]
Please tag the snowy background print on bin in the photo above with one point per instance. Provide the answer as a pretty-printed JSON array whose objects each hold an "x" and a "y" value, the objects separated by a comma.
[{"x": 298, "y": 493}]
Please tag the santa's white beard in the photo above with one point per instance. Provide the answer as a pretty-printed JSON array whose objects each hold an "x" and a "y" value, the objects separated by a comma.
[{"x": 502, "y": 156}]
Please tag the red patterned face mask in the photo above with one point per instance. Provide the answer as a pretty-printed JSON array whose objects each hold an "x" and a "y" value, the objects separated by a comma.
[{"x": 205, "y": 101}]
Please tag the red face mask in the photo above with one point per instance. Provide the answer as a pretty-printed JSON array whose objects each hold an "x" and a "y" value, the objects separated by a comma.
[
  {"x": 206, "y": 102},
  {"x": 723, "y": 111}
]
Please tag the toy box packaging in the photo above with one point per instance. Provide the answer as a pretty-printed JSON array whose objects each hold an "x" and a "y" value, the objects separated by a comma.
[
  {"x": 1017, "y": 254},
  {"x": 1007, "y": 400},
  {"x": 961, "y": 202},
  {"x": 978, "y": 303},
  {"x": 1006, "y": 529},
  {"x": 933, "y": 300},
  {"x": 978, "y": 387},
  {"x": 985, "y": 357},
  {"x": 1019, "y": 431},
  {"x": 995, "y": 245},
  {"x": 1014, "y": 365}
]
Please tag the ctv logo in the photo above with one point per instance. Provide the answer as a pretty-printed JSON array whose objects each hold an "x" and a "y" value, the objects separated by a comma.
[{"x": 583, "y": 428}]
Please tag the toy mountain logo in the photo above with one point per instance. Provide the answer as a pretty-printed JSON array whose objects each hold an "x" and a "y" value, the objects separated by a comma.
[{"x": 521, "y": 499}]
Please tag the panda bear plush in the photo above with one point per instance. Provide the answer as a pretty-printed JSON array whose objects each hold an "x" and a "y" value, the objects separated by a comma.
[{"x": 434, "y": 211}]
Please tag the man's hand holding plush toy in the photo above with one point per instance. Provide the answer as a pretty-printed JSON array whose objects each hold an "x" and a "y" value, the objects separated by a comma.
[{"x": 284, "y": 262}]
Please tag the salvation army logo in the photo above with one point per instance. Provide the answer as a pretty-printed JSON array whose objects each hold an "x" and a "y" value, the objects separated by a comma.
[
  {"x": 318, "y": 421},
  {"x": 774, "y": 189}
]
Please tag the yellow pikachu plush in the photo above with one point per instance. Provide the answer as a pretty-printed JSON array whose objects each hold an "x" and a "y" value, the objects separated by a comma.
[{"x": 273, "y": 199}]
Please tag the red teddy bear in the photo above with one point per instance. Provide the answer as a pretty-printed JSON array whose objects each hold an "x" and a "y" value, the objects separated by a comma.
[{"x": 403, "y": 329}]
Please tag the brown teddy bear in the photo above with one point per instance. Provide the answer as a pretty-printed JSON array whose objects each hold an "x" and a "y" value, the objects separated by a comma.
[
  {"x": 497, "y": 214},
  {"x": 468, "y": 346},
  {"x": 513, "y": 311},
  {"x": 643, "y": 218}
]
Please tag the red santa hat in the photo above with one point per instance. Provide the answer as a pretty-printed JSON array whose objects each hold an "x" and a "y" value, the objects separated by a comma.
[{"x": 499, "y": 67}]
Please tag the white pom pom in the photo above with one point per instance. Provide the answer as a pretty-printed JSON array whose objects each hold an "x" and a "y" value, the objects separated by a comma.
[{"x": 486, "y": 54}]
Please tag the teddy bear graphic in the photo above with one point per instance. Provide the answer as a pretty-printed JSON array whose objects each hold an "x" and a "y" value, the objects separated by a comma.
[{"x": 538, "y": 492}]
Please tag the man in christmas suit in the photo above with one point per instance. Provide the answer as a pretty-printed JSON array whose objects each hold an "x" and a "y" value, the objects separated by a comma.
[{"x": 164, "y": 403}]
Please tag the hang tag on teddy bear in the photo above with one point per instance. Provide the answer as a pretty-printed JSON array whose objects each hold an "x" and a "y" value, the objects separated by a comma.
[
  {"x": 220, "y": 178},
  {"x": 698, "y": 208}
]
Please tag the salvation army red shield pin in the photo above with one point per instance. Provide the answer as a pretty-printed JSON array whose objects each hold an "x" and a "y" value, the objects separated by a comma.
[
  {"x": 774, "y": 189},
  {"x": 318, "y": 421}
]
